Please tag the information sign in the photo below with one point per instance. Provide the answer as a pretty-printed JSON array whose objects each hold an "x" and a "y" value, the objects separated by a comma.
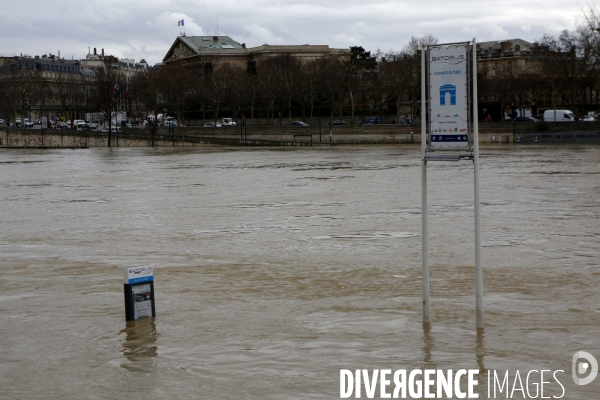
[
  {"x": 448, "y": 97},
  {"x": 138, "y": 274},
  {"x": 138, "y": 289}
]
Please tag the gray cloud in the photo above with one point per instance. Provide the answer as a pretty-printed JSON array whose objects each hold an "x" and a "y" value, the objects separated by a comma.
[{"x": 146, "y": 29}]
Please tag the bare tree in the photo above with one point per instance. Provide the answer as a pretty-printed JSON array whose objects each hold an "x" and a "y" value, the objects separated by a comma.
[
  {"x": 289, "y": 77},
  {"x": 20, "y": 89},
  {"x": 106, "y": 94},
  {"x": 219, "y": 86},
  {"x": 174, "y": 89},
  {"x": 361, "y": 69},
  {"x": 565, "y": 64},
  {"x": 268, "y": 76}
]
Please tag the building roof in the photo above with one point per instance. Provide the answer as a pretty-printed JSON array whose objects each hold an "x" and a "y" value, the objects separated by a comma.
[
  {"x": 204, "y": 44},
  {"x": 497, "y": 46},
  {"x": 211, "y": 42},
  {"x": 45, "y": 64},
  {"x": 186, "y": 47}
]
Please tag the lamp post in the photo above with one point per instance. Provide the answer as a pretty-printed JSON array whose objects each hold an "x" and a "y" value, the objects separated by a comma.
[
  {"x": 319, "y": 124},
  {"x": 172, "y": 131}
]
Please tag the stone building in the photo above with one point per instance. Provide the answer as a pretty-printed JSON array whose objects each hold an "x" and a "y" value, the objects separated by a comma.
[
  {"x": 223, "y": 49},
  {"x": 497, "y": 58},
  {"x": 43, "y": 86},
  {"x": 125, "y": 66},
  {"x": 515, "y": 77},
  {"x": 55, "y": 87}
]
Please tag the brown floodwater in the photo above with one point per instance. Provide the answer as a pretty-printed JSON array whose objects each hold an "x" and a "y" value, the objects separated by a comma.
[{"x": 276, "y": 268}]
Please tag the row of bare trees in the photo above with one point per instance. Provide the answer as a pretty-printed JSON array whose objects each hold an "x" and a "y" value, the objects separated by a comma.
[
  {"x": 26, "y": 91},
  {"x": 353, "y": 85},
  {"x": 23, "y": 90},
  {"x": 565, "y": 72}
]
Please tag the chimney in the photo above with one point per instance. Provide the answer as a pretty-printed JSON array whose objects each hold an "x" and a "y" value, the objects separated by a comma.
[
  {"x": 37, "y": 58},
  {"x": 94, "y": 51},
  {"x": 102, "y": 53},
  {"x": 243, "y": 45}
]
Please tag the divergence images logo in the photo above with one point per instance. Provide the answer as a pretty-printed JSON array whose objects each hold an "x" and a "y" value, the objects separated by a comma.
[{"x": 581, "y": 367}]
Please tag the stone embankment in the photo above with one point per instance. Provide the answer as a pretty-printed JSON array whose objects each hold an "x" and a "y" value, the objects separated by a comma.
[{"x": 287, "y": 135}]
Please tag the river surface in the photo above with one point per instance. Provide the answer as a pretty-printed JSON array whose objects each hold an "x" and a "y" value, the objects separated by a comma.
[{"x": 277, "y": 268}]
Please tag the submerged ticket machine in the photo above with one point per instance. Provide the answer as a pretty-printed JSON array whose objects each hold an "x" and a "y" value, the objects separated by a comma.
[{"x": 139, "y": 292}]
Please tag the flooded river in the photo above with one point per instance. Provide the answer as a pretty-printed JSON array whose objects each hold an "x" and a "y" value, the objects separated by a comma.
[{"x": 277, "y": 268}]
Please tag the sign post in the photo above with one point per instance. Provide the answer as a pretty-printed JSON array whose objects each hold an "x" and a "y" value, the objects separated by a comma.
[
  {"x": 478, "y": 268},
  {"x": 425, "y": 226},
  {"x": 450, "y": 128},
  {"x": 138, "y": 288}
]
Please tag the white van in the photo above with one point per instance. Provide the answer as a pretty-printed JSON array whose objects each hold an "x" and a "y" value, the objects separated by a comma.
[{"x": 561, "y": 115}]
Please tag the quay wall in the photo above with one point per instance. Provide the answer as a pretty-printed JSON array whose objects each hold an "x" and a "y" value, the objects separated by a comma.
[{"x": 284, "y": 135}]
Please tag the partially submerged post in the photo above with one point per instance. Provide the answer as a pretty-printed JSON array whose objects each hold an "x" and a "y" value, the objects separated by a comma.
[
  {"x": 447, "y": 111},
  {"x": 138, "y": 288}
]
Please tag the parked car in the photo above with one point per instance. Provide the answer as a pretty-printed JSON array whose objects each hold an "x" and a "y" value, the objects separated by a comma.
[
  {"x": 409, "y": 121},
  {"x": 171, "y": 122},
  {"x": 338, "y": 122},
  {"x": 299, "y": 123},
  {"x": 561, "y": 115},
  {"x": 212, "y": 125},
  {"x": 87, "y": 127},
  {"x": 29, "y": 123},
  {"x": 228, "y": 122},
  {"x": 372, "y": 121},
  {"x": 78, "y": 122},
  {"x": 113, "y": 129},
  {"x": 525, "y": 119},
  {"x": 62, "y": 125},
  {"x": 92, "y": 125},
  {"x": 1, "y": 121},
  {"x": 587, "y": 118}
]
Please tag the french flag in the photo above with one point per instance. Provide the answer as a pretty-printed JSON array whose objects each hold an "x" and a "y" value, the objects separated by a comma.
[{"x": 180, "y": 23}]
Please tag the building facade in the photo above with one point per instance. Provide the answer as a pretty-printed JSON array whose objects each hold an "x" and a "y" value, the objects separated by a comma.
[
  {"x": 56, "y": 88},
  {"x": 223, "y": 49}
]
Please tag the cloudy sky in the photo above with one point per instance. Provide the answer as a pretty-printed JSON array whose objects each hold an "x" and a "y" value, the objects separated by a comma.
[{"x": 146, "y": 28}]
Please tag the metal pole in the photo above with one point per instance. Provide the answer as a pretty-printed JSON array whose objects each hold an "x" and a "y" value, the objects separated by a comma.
[
  {"x": 425, "y": 228},
  {"x": 478, "y": 269},
  {"x": 319, "y": 124}
]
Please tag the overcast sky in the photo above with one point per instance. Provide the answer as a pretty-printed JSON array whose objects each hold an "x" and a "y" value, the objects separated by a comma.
[{"x": 147, "y": 28}]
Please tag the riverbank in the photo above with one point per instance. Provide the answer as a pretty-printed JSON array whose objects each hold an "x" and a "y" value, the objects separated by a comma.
[{"x": 290, "y": 136}]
